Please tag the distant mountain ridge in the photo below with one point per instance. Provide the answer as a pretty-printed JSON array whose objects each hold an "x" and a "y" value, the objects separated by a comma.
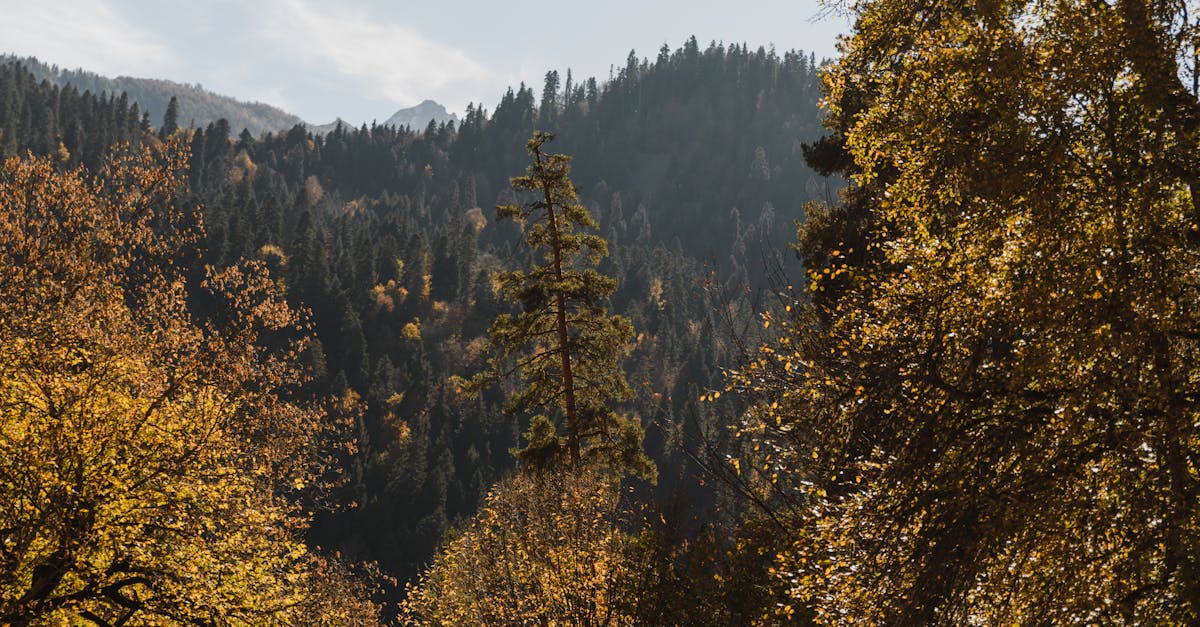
[
  {"x": 692, "y": 165},
  {"x": 197, "y": 105},
  {"x": 325, "y": 129},
  {"x": 200, "y": 107}
]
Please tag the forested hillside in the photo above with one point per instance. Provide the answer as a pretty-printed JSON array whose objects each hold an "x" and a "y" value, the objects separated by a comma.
[
  {"x": 196, "y": 105},
  {"x": 78, "y": 126},
  {"x": 691, "y": 164},
  {"x": 305, "y": 378}
]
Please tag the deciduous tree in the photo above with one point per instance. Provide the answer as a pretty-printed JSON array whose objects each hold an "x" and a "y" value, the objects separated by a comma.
[
  {"x": 149, "y": 459},
  {"x": 994, "y": 421},
  {"x": 546, "y": 548}
]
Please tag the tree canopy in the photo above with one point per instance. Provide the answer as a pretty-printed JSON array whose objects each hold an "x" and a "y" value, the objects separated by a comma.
[
  {"x": 992, "y": 417},
  {"x": 687, "y": 162},
  {"x": 546, "y": 548},
  {"x": 150, "y": 460}
]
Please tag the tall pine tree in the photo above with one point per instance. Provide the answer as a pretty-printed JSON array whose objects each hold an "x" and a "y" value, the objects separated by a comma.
[{"x": 563, "y": 343}]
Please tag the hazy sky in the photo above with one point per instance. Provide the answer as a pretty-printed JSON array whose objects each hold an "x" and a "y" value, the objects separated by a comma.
[{"x": 363, "y": 59}]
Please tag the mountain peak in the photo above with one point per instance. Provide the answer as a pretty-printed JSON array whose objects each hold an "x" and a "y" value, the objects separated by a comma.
[{"x": 419, "y": 116}]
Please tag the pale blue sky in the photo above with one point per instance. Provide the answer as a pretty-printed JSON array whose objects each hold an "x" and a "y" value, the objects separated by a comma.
[{"x": 363, "y": 59}]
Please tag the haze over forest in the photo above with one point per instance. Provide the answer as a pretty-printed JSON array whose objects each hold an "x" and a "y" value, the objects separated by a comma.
[
  {"x": 361, "y": 60},
  {"x": 728, "y": 335}
]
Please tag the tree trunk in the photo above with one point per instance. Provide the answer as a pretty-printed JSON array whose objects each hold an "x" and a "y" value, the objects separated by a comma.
[{"x": 560, "y": 312}]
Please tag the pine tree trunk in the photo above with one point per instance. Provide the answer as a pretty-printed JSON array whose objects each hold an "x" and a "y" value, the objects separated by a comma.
[{"x": 560, "y": 306}]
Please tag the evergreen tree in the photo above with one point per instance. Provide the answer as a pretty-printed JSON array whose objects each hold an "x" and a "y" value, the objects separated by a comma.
[
  {"x": 337, "y": 212},
  {"x": 549, "y": 104},
  {"x": 572, "y": 365},
  {"x": 170, "y": 119}
]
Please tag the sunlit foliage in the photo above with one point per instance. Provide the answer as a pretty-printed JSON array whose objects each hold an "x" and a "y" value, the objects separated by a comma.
[
  {"x": 146, "y": 457},
  {"x": 545, "y": 549},
  {"x": 564, "y": 345},
  {"x": 994, "y": 419}
]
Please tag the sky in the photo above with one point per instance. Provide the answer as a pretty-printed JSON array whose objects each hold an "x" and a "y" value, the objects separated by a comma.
[{"x": 361, "y": 60}]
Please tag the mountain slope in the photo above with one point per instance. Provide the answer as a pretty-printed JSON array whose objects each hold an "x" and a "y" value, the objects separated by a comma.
[
  {"x": 690, "y": 163},
  {"x": 197, "y": 106}
]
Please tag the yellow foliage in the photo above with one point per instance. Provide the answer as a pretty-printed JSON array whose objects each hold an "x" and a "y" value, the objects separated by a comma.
[
  {"x": 656, "y": 293},
  {"x": 992, "y": 420},
  {"x": 476, "y": 218},
  {"x": 271, "y": 251},
  {"x": 242, "y": 168},
  {"x": 426, "y": 285},
  {"x": 543, "y": 549},
  {"x": 145, "y": 460}
]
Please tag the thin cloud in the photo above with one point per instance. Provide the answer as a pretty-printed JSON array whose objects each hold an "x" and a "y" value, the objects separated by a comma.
[
  {"x": 391, "y": 61},
  {"x": 91, "y": 34}
]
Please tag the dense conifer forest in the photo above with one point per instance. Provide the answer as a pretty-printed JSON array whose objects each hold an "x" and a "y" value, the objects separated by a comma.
[
  {"x": 732, "y": 338},
  {"x": 194, "y": 106},
  {"x": 387, "y": 238}
]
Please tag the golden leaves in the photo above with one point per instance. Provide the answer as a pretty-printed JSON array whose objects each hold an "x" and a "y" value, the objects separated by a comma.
[
  {"x": 144, "y": 452},
  {"x": 543, "y": 549},
  {"x": 1014, "y": 167}
]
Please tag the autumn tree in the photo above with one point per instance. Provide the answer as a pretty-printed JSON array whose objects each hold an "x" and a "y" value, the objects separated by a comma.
[
  {"x": 545, "y": 549},
  {"x": 563, "y": 344},
  {"x": 150, "y": 460},
  {"x": 994, "y": 420}
]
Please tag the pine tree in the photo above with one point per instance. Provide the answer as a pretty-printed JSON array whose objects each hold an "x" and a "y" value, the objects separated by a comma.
[
  {"x": 565, "y": 345},
  {"x": 170, "y": 119},
  {"x": 549, "y": 106}
]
